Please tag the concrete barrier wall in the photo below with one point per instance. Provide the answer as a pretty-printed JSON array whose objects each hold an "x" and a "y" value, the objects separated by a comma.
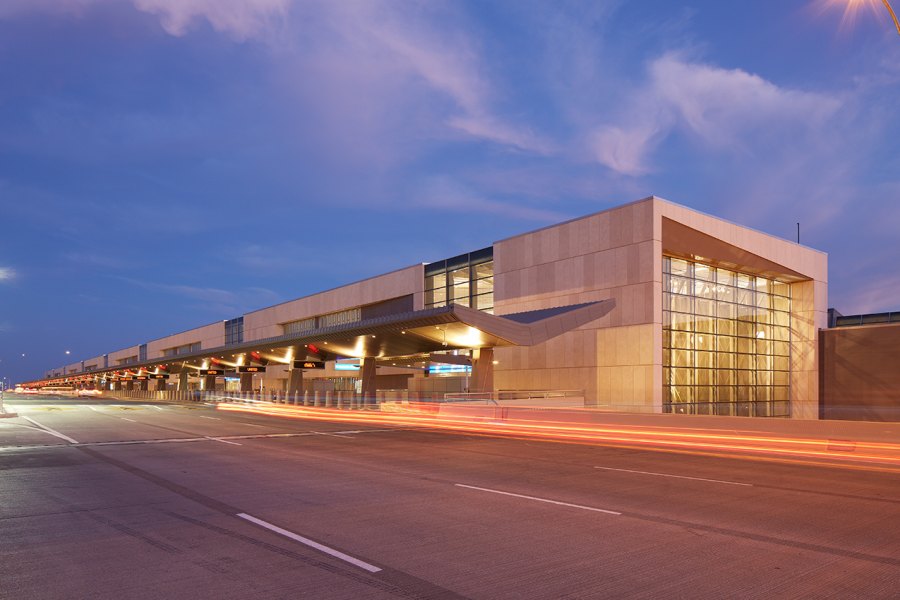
[{"x": 860, "y": 373}]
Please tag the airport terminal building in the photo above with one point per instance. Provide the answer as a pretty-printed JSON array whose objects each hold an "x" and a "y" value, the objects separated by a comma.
[{"x": 648, "y": 307}]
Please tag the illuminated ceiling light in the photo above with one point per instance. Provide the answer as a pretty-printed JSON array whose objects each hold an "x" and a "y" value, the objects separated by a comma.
[
  {"x": 496, "y": 362},
  {"x": 760, "y": 334}
]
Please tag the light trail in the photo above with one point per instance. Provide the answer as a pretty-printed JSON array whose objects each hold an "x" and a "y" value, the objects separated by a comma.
[{"x": 496, "y": 421}]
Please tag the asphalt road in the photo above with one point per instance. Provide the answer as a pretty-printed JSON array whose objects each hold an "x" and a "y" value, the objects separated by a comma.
[{"x": 99, "y": 500}]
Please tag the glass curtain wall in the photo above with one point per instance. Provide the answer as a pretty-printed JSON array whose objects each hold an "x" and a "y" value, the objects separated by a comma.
[
  {"x": 467, "y": 279},
  {"x": 726, "y": 341}
]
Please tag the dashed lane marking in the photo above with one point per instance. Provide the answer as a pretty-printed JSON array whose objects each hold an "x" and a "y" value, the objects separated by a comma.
[
  {"x": 536, "y": 499},
  {"x": 312, "y": 544},
  {"x": 676, "y": 476}
]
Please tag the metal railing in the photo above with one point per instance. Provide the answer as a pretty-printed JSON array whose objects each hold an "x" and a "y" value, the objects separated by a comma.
[
  {"x": 520, "y": 397},
  {"x": 325, "y": 399}
]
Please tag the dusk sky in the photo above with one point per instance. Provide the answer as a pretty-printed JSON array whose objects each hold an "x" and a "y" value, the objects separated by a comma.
[{"x": 168, "y": 163}]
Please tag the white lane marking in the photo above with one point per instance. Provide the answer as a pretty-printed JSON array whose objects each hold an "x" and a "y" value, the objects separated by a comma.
[
  {"x": 213, "y": 418},
  {"x": 215, "y": 439},
  {"x": 346, "y": 437},
  {"x": 50, "y": 431},
  {"x": 89, "y": 407},
  {"x": 252, "y": 424},
  {"x": 254, "y": 436},
  {"x": 320, "y": 547},
  {"x": 125, "y": 419},
  {"x": 481, "y": 489},
  {"x": 152, "y": 406},
  {"x": 676, "y": 476}
]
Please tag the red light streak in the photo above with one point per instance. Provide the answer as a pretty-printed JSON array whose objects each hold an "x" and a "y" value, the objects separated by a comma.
[{"x": 493, "y": 421}]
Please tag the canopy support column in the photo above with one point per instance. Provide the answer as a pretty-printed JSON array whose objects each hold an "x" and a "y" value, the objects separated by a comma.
[
  {"x": 295, "y": 383},
  {"x": 482, "y": 370},
  {"x": 367, "y": 371}
]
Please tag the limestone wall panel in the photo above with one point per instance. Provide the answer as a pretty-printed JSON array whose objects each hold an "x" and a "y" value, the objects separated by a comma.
[{"x": 268, "y": 322}]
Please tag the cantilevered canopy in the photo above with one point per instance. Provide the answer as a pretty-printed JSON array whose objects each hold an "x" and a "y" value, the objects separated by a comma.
[
  {"x": 451, "y": 327},
  {"x": 418, "y": 332}
]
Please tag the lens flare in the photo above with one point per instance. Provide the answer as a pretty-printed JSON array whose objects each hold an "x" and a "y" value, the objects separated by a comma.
[{"x": 852, "y": 8}]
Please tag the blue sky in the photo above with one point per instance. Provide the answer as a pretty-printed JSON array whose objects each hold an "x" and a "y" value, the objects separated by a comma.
[{"x": 168, "y": 163}]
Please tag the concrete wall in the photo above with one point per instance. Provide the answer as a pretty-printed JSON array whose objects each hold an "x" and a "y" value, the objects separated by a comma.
[
  {"x": 267, "y": 322},
  {"x": 612, "y": 254},
  {"x": 115, "y": 357},
  {"x": 209, "y": 336},
  {"x": 861, "y": 373}
]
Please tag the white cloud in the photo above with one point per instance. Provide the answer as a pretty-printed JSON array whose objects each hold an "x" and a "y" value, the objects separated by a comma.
[
  {"x": 720, "y": 104},
  {"x": 446, "y": 195},
  {"x": 491, "y": 129},
  {"x": 722, "y": 108},
  {"x": 241, "y": 18},
  {"x": 626, "y": 150},
  {"x": 387, "y": 78},
  {"x": 7, "y": 274},
  {"x": 215, "y": 300}
]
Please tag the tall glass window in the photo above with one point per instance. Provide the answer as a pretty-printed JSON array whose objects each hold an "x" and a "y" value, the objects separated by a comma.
[
  {"x": 467, "y": 279},
  {"x": 234, "y": 331},
  {"x": 726, "y": 341}
]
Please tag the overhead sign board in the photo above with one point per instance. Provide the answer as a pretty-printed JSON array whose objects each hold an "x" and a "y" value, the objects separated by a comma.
[
  {"x": 212, "y": 371},
  {"x": 309, "y": 364},
  {"x": 159, "y": 376},
  {"x": 250, "y": 369}
]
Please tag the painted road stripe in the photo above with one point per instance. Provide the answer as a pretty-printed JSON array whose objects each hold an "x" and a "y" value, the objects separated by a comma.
[
  {"x": 152, "y": 406},
  {"x": 548, "y": 501},
  {"x": 676, "y": 476},
  {"x": 124, "y": 419},
  {"x": 346, "y": 437},
  {"x": 89, "y": 407},
  {"x": 213, "y": 418},
  {"x": 215, "y": 439},
  {"x": 222, "y": 438},
  {"x": 320, "y": 547},
  {"x": 50, "y": 431}
]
